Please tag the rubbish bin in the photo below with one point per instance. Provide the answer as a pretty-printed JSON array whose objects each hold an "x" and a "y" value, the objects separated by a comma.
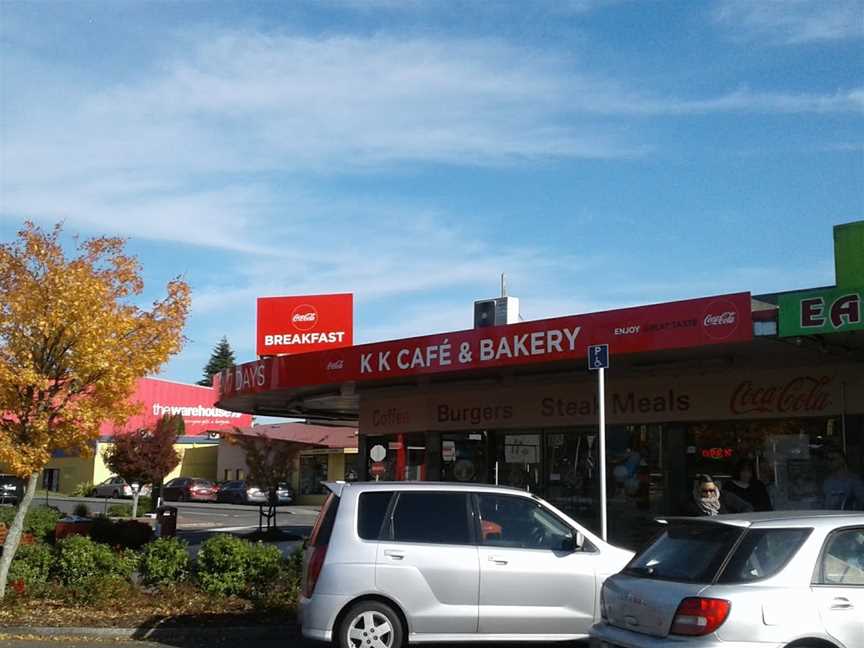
[{"x": 166, "y": 521}]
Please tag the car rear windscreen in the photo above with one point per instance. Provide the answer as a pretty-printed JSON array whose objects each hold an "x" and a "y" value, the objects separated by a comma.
[
  {"x": 691, "y": 552},
  {"x": 762, "y": 553}
]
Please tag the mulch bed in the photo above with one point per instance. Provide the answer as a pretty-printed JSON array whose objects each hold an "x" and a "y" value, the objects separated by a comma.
[{"x": 172, "y": 607}]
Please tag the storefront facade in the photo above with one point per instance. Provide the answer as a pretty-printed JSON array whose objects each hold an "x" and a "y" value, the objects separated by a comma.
[
  {"x": 694, "y": 387},
  {"x": 662, "y": 430}
]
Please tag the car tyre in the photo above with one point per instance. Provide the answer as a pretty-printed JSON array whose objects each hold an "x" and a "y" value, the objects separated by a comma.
[
  {"x": 115, "y": 495},
  {"x": 371, "y": 624}
]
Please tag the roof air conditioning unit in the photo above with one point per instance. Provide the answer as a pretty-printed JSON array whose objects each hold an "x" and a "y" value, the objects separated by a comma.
[{"x": 495, "y": 312}]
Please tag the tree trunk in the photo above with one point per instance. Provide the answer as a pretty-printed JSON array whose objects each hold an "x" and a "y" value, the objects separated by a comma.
[
  {"x": 135, "y": 504},
  {"x": 13, "y": 537}
]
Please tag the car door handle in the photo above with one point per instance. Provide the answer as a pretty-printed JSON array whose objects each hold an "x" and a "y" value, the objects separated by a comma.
[
  {"x": 394, "y": 555},
  {"x": 497, "y": 560},
  {"x": 841, "y": 603}
]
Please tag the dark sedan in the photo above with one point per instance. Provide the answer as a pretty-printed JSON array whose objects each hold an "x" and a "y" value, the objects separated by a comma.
[
  {"x": 242, "y": 492},
  {"x": 188, "y": 489}
]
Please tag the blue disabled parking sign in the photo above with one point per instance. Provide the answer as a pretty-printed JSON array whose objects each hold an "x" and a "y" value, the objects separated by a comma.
[{"x": 598, "y": 356}]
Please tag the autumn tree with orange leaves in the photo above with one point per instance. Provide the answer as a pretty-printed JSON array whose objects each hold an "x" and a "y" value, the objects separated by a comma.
[{"x": 73, "y": 343}]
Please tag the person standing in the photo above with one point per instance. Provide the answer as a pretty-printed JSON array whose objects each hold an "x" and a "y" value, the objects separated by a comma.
[
  {"x": 707, "y": 500},
  {"x": 748, "y": 487},
  {"x": 842, "y": 489}
]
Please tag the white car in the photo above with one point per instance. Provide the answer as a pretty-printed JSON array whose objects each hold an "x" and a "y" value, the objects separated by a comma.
[
  {"x": 757, "y": 580},
  {"x": 422, "y": 562}
]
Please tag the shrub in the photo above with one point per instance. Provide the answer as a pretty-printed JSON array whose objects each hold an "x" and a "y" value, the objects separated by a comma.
[
  {"x": 165, "y": 561},
  {"x": 32, "y": 564},
  {"x": 145, "y": 505},
  {"x": 129, "y": 534},
  {"x": 263, "y": 565},
  {"x": 80, "y": 560},
  {"x": 40, "y": 520},
  {"x": 120, "y": 510},
  {"x": 81, "y": 510},
  {"x": 84, "y": 489},
  {"x": 222, "y": 565}
]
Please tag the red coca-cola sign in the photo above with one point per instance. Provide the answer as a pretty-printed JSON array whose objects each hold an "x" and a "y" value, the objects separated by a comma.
[
  {"x": 801, "y": 395},
  {"x": 721, "y": 319},
  {"x": 291, "y": 325}
]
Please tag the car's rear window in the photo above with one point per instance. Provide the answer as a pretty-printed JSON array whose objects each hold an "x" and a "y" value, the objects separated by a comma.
[
  {"x": 370, "y": 516},
  {"x": 762, "y": 553},
  {"x": 324, "y": 524},
  {"x": 690, "y": 552}
]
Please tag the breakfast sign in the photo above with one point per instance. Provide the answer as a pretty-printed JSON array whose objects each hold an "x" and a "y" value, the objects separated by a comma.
[
  {"x": 289, "y": 325},
  {"x": 690, "y": 323}
]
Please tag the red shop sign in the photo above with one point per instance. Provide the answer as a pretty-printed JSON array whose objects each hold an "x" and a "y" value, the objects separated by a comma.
[
  {"x": 674, "y": 325},
  {"x": 304, "y": 323}
]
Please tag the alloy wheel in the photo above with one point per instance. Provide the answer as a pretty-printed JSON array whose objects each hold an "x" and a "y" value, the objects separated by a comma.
[{"x": 370, "y": 629}]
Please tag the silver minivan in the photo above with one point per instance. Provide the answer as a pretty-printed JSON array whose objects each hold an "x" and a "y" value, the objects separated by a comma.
[
  {"x": 390, "y": 563},
  {"x": 757, "y": 580}
]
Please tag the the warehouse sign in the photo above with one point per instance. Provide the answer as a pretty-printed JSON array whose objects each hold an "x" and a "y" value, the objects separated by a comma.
[{"x": 834, "y": 310}]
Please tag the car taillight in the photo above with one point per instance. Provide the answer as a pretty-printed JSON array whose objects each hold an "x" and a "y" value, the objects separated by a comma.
[
  {"x": 697, "y": 616},
  {"x": 313, "y": 570}
]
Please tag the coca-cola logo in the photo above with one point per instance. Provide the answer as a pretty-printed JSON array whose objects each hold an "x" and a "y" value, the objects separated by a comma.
[
  {"x": 721, "y": 320},
  {"x": 804, "y": 394},
  {"x": 335, "y": 365},
  {"x": 304, "y": 317}
]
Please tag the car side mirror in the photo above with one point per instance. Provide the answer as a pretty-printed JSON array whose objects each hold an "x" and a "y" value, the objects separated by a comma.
[{"x": 573, "y": 542}]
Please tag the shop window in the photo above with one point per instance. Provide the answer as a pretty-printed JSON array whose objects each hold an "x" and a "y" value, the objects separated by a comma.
[
  {"x": 792, "y": 463},
  {"x": 519, "y": 460},
  {"x": 404, "y": 457},
  {"x": 432, "y": 518},
  {"x": 241, "y": 474},
  {"x": 572, "y": 474},
  {"x": 463, "y": 457},
  {"x": 51, "y": 479},
  {"x": 313, "y": 472},
  {"x": 352, "y": 467}
]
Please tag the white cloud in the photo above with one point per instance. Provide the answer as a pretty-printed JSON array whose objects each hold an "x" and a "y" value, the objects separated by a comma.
[{"x": 792, "y": 22}]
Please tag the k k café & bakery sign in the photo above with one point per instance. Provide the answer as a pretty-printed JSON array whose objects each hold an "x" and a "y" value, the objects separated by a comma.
[
  {"x": 302, "y": 324},
  {"x": 674, "y": 325},
  {"x": 754, "y": 395}
]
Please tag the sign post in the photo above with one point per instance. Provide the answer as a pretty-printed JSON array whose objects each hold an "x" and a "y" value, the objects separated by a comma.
[{"x": 598, "y": 360}]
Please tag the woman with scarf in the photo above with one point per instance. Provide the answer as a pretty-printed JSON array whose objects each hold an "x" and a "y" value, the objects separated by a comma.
[{"x": 707, "y": 499}]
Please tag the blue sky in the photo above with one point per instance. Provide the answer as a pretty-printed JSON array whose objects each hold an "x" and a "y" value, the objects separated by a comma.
[{"x": 602, "y": 153}]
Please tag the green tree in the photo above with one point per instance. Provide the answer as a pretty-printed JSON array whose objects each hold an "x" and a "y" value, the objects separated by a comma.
[{"x": 221, "y": 358}]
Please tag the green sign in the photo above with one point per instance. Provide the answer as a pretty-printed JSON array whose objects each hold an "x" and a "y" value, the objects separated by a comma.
[
  {"x": 849, "y": 254},
  {"x": 816, "y": 312}
]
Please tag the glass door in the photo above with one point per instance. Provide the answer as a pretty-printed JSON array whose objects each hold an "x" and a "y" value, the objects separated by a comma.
[{"x": 519, "y": 461}]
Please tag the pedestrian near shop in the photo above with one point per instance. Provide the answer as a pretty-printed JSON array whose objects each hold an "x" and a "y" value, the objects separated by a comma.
[
  {"x": 842, "y": 489},
  {"x": 707, "y": 499},
  {"x": 748, "y": 487}
]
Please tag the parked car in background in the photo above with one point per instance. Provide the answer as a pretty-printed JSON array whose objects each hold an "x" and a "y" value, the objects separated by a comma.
[
  {"x": 389, "y": 563},
  {"x": 242, "y": 492},
  {"x": 11, "y": 489},
  {"x": 781, "y": 579},
  {"x": 187, "y": 489},
  {"x": 117, "y": 487}
]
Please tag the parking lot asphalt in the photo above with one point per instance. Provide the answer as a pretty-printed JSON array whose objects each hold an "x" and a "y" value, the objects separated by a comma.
[{"x": 200, "y": 516}]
